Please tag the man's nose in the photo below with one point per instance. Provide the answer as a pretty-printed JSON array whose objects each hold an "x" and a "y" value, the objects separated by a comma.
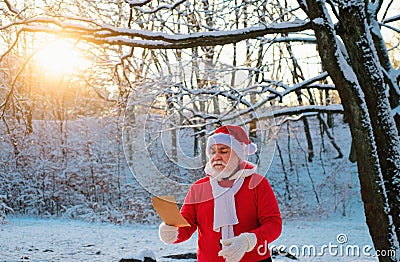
[{"x": 217, "y": 156}]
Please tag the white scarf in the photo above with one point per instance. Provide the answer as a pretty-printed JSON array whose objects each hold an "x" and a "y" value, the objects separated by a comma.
[{"x": 224, "y": 199}]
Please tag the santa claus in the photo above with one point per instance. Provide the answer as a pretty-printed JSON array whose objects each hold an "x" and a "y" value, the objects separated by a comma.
[{"x": 233, "y": 208}]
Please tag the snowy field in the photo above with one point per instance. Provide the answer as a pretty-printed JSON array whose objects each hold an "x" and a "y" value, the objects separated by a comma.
[{"x": 27, "y": 239}]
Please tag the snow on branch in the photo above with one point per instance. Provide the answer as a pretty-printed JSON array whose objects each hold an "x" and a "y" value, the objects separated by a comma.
[
  {"x": 137, "y": 3},
  {"x": 298, "y": 112},
  {"x": 305, "y": 83},
  {"x": 392, "y": 19},
  {"x": 290, "y": 39},
  {"x": 107, "y": 34}
]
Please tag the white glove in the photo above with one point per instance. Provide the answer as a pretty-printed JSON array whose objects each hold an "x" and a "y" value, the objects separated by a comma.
[
  {"x": 235, "y": 247},
  {"x": 168, "y": 234}
]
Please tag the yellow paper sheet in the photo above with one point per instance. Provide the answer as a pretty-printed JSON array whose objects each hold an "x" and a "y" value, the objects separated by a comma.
[{"x": 168, "y": 211}]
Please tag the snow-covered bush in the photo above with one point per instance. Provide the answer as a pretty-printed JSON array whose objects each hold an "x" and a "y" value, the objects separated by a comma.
[
  {"x": 4, "y": 209},
  {"x": 77, "y": 171}
]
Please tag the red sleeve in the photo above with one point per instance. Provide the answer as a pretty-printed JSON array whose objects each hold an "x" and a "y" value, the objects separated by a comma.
[
  {"x": 189, "y": 212},
  {"x": 268, "y": 213}
]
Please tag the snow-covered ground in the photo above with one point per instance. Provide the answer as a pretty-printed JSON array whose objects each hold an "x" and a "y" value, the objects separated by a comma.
[{"x": 28, "y": 239}]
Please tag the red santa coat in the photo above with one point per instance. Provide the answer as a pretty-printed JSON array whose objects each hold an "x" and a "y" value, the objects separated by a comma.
[{"x": 256, "y": 209}]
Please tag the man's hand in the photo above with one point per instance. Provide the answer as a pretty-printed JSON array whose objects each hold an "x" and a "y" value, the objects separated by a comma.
[
  {"x": 235, "y": 247},
  {"x": 168, "y": 234}
]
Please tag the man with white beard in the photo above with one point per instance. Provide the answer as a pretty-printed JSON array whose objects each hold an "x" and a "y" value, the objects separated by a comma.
[{"x": 233, "y": 208}]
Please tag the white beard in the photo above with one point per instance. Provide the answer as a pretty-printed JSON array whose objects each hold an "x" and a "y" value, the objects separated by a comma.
[{"x": 228, "y": 169}]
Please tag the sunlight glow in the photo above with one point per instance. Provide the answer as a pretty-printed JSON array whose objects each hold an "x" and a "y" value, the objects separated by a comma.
[{"x": 60, "y": 58}]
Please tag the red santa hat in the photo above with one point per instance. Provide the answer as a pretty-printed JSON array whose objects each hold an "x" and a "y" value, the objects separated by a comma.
[{"x": 235, "y": 137}]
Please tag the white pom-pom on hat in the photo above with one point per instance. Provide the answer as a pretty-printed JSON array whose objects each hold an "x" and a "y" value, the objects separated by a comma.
[{"x": 252, "y": 148}]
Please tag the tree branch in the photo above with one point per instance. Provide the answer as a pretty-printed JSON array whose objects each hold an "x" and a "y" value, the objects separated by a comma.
[
  {"x": 13, "y": 9},
  {"x": 392, "y": 19},
  {"x": 298, "y": 110},
  {"x": 157, "y": 40},
  {"x": 137, "y": 3},
  {"x": 160, "y": 7}
]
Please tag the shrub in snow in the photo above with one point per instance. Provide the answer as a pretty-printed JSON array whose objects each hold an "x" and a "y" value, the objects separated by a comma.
[{"x": 4, "y": 210}]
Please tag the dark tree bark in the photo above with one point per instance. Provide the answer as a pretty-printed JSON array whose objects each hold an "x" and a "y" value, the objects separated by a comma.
[
  {"x": 356, "y": 36},
  {"x": 345, "y": 78},
  {"x": 381, "y": 50}
]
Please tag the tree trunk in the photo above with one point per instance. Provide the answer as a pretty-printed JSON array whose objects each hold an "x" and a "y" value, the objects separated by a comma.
[
  {"x": 365, "y": 62},
  {"x": 381, "y": 50},
  {"x": 369, "y": 169}
]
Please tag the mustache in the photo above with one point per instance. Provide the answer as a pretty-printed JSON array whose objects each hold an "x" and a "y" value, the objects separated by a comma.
[{"x": 218, "y": 163}]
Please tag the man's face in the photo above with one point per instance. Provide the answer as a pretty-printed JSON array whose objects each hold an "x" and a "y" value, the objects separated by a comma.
[{"x": 223, "y": 158}]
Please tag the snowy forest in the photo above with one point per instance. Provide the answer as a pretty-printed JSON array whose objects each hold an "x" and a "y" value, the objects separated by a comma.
[{"x": 104, "y": 104}]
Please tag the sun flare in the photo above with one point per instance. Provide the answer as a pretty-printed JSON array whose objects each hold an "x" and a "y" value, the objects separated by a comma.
[{"x": 60, "y": 58}]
